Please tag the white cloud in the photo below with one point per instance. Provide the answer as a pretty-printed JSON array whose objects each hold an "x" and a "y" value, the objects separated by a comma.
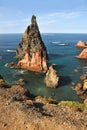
[
  {"x": 66, "y": 15},
  {"x": 52, "y": 22}
]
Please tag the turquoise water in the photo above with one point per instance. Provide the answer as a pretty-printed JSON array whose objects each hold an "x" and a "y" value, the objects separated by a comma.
[{"x": 61, "y": 51}]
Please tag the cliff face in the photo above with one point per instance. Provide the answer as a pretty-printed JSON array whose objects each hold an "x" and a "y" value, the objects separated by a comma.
[{"x": 31, "y": 51}]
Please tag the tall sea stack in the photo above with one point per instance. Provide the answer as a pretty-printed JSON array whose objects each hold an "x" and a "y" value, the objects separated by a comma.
[{"x": 31, "y": 50}]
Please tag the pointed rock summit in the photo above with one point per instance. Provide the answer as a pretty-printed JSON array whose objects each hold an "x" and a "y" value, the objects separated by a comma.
[{"x": 31, "y": 50}]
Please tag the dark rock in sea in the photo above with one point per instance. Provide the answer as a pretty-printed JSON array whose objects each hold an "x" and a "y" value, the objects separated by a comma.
[
  {"x": 31, "y": 51},
  {"x": 51, "y": 78},
  {"x": 11, "y": 65}
]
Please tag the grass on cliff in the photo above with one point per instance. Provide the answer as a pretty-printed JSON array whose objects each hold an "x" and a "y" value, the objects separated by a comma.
[{"x": 74, "y": 105}]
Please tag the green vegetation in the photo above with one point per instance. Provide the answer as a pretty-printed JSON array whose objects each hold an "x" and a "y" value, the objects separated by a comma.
[{"x": 74, "y": 104}]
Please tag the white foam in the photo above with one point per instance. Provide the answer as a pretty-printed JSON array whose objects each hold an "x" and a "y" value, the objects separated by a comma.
[
  {"x": 11, "y": 50},
  {"x": 60, "y": 44}
]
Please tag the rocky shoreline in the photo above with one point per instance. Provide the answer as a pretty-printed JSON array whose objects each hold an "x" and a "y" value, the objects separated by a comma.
[{"x": 19, "y": 109}]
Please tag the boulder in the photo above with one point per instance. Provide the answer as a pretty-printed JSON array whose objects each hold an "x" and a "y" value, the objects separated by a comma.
[
  {"x": 83, "y": 54},
  {"x": 51, "y": 79},
  {"x": 85, "y": 84},
  {"x": 31, "y": 50},
  {"x": 81, "y": 44},
  {"x": 85, "y": 101}
]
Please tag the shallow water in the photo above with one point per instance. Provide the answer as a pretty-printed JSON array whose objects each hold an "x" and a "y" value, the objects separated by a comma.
[{"x": 62, "y": 53}]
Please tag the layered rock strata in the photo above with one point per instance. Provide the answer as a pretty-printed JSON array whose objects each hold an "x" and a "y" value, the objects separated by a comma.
[{"x": 31, "y": 51}]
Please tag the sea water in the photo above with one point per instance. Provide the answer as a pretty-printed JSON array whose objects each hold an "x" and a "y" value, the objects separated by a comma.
[{"x": 61, "y": 51}]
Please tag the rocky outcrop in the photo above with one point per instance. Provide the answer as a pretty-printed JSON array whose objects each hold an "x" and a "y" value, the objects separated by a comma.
[
  {"x": 81, "y": 44},
  {"x": 81, "y": 89},
  {"x": 51, "y": 79},
  {"x": 83, "y": 54},
  {"x": 31, "y": 51}
]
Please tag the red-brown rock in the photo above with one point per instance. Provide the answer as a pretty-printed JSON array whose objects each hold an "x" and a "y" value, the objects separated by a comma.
[
  {"x": 83, "y": 54},
  {"x": 31, "y": 51},
  {"x": 81, "y": 44}
]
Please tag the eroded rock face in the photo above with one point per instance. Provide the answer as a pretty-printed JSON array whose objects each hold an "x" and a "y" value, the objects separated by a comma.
[
  {"x": 31, "y": 51},
  {"x": 81, "y": 44},
  {"x": 83, "y": 54},
  {"x": 51, "y": 79}
]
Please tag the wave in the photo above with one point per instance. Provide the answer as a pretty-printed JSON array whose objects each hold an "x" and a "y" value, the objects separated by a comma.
[
  {"x": 11, "y": 50},
  {"x": 60, "y": 44}
]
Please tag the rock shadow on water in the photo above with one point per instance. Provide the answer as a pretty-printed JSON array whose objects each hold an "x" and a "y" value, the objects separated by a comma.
[
  {"x": 83, "y": 62},
  {"x": 64, "y": 80}
]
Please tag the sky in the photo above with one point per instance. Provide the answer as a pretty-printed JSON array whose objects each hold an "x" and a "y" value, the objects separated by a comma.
[{"x": 53, "y": 16}]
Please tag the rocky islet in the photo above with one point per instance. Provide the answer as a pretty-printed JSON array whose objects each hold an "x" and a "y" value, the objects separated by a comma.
[{"x": 31, "y": 51}]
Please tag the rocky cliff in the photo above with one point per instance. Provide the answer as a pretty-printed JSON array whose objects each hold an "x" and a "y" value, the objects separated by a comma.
[{"x": 31, "y": 51}]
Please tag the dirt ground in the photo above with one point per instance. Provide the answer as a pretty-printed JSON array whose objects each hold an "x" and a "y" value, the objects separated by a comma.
[{"x": 19, "y": 110}]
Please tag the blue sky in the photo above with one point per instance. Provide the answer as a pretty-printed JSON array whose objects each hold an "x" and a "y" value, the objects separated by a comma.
[{"x": 53, "y": 16}]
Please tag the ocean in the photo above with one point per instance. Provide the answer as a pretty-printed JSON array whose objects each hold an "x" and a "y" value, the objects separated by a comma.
[{"x": 61, "y": 51}]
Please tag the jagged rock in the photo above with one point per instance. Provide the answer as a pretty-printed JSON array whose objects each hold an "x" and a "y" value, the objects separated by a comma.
[
  {"x": 81, "y": 44},
  {"x": 51, "y": 78},
  {"x": 83, "y": 54},
  {"x": 31, "y": 51}
]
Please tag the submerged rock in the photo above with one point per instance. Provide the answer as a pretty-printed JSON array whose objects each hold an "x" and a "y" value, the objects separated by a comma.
[
  {"x": 31, "y": 51},
  {"x": 83, "y": 54},
  {"x": 51, "y": 79},
  {"x": 21, "y": 82},
  {"x": 81, "y": 44},
  {"x": 11, "y": 65}
]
